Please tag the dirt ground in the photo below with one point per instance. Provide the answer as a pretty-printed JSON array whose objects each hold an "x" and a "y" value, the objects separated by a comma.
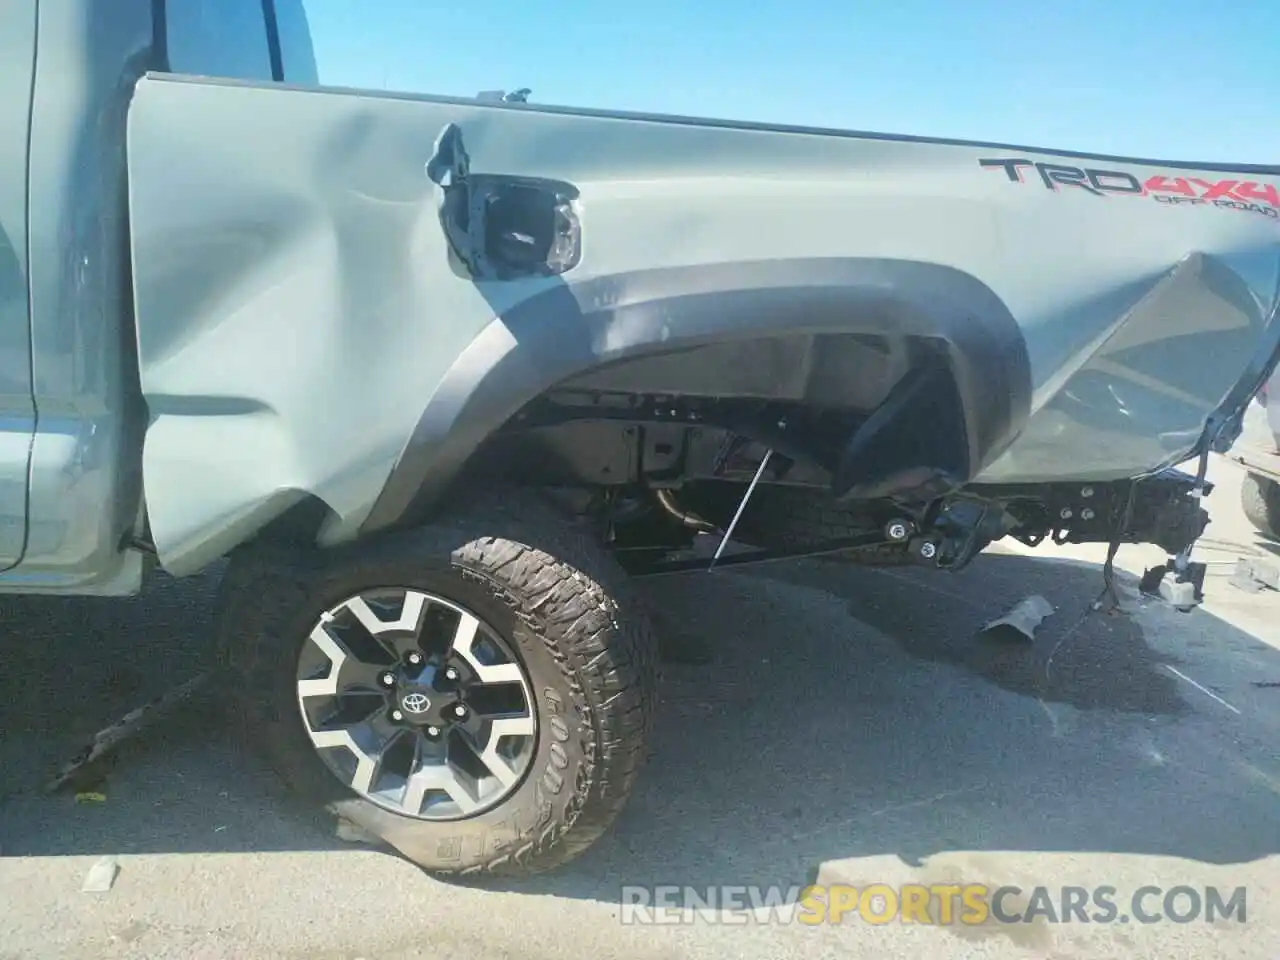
[{"x": 854, "y": 727}]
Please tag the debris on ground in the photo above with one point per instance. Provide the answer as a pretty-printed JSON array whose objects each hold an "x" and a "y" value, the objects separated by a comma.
[
  {"x": 1254, "y": 576},
  {"x": 91, "y": 796},
  {"x": 349, "y": 832},
  {"x": 1024, "y": 617},
  {"x": 1181, "y": 589},
  {"x": 78, "y": 770},
  {"x": 101, "y": 876}
]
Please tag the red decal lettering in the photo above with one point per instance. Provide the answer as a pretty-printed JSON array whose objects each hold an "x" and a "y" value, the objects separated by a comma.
[
  {"x": 1165, "y": 185},
  {"x": 1218, "y": 191},
  {"x": 1260, "y": 192}
]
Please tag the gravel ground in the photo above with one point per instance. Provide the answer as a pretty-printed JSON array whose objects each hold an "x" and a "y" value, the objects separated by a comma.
[{"x": 853, "y": 728}]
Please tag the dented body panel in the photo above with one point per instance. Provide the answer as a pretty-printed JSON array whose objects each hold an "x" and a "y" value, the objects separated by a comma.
[{"x": 312, "y": 323}]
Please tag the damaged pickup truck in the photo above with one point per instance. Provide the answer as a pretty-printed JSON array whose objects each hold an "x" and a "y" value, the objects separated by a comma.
[{"x": 435, "y": 377}]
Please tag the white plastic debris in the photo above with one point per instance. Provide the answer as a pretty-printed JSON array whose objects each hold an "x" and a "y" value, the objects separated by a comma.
[
  {"x": 1254, "y": 576},
  {"x": 349, "y": 832},
  {"x": 1025, "y": 616},
  {"x": 101, "y": 876}
]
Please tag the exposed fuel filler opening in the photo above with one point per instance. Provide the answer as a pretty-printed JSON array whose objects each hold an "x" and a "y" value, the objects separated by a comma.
[{"x": 503, "y": 227}]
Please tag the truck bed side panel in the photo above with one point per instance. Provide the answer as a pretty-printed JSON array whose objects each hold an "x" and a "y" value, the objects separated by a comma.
[{"x": 304, "y": 329}]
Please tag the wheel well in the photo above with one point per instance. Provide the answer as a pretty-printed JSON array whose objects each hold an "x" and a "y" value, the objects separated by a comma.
[
  {"x": 569, "y": 438},
  {"x": 862, "y": 417},
  {"x": 299, "y": 525},
  {"x": 835, "y": 337}
]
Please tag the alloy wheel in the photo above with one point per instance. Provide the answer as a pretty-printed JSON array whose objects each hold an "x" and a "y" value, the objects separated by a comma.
[{"x": 417, "y": 704}]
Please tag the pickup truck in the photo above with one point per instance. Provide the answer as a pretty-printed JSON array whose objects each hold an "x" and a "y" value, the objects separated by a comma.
[
  {"x": 435, "y": 377},
  {"x": 1260, "y": 456}
]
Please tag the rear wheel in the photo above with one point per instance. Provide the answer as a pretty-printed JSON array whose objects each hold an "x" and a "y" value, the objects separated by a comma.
[
  {"x": 474, "y": 694},
  {"x": 1260, "y": 497}
]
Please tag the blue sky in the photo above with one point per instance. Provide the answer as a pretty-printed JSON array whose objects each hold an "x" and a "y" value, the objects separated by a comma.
[{"x": 1167, "y": 79}]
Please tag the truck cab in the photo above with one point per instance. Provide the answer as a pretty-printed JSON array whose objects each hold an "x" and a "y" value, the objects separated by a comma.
[{"x": 71, "y": 408}]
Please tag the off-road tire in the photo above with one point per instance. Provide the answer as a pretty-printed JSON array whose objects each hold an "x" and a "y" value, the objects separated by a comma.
[
  {"x": 559, "y": 600},
  {"x": 1260, "y": 497}
]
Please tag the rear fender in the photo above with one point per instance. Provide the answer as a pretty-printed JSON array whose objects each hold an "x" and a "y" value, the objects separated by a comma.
[
  {"x": 586, "y": 328},
  {"x": 304, "y": 335}
]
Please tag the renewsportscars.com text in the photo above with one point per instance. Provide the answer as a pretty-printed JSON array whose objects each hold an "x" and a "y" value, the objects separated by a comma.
[{"x": 932, "y": 904}]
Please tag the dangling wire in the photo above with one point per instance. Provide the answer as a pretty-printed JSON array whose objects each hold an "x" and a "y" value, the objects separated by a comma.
[{"x": 1109, "y": 567}]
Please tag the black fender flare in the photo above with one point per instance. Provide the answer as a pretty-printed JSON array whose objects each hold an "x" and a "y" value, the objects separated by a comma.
[{"x": 574, "y": 327}]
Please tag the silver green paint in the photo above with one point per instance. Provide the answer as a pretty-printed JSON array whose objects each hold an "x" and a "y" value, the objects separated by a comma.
[
  {"x": 17, "y": 411},
  {"x": 73, "y": 360},
  {"x": 297, "y": 309},
  {"x": 255, "y": 303},
  {"x": 85, "y": 479}
]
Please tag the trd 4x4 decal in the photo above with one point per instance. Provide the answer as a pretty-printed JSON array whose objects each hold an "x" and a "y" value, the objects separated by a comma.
[{"x": 1249, "y": 196}]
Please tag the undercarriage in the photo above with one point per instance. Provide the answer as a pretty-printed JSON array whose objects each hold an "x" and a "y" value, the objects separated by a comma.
[{"x": 781, "y": 481}]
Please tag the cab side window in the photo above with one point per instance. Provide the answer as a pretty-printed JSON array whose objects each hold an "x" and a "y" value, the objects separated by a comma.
[
  {"x": 218, "y": 38},
  {"x": 297, "y": 54}
]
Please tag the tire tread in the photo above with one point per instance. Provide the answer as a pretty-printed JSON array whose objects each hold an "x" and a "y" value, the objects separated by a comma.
[
  {"x": 1260, "y": 497},
  {"x": 545, "y": 569}
]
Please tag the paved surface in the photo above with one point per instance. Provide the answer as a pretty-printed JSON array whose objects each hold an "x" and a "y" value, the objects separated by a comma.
[{"x": 854, "y": 729}]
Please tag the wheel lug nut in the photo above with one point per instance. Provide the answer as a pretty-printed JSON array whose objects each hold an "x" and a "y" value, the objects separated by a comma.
[
  {"x": 450, "y": 674},
  {"x": 415, "y": 658},
  {"x": 397, "y": 716},
  {"x": 387, "y": 679},
  {"x": 459, "y": 711},
  {"x": 433, "y": 731}
]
